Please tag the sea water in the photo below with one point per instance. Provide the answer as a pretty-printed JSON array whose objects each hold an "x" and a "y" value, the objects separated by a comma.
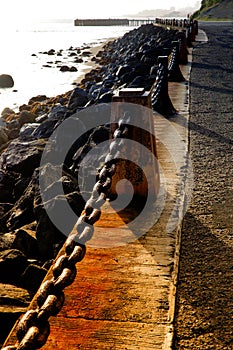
[{"x": 21, "y": 56}]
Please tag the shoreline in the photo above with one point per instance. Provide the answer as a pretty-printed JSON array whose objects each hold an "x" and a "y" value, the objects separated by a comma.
[
  {"x": 83, "y": 69},
  {"x": 89, "y": 65},
  {"x": 43, "y": 65}
]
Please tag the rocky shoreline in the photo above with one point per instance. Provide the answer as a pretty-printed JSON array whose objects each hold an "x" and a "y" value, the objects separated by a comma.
[{"x": 29, "y": 241}]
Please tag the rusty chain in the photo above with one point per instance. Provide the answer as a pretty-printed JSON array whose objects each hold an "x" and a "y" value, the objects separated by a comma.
[{"x": 33, "y": 328}]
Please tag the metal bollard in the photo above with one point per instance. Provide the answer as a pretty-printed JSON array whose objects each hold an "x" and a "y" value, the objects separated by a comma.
[
  {"x": 161, "y": 101},
  {"x": 174, "y": 72},
  {"x": 192, "y": 31},
  {"x": 183, "y": 53},
  {"x": 195, "y": 25}
]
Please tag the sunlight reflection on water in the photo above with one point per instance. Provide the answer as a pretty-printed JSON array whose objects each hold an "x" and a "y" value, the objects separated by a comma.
[{"x": 29, "y": 75}]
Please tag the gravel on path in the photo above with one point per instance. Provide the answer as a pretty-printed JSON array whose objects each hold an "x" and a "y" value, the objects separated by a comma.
[{"x": 204, "y": 315}]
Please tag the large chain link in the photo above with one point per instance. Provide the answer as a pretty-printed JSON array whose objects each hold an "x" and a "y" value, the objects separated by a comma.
[{"x": 33, "y": 329}]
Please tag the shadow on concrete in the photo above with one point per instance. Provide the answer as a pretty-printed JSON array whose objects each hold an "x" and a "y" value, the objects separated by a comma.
[
  {"x": 179, "y": 119},
  {"x": 213, "y": 88},
  {"x": 211, "y": 67},
  {"x": 205, "y": 286}
]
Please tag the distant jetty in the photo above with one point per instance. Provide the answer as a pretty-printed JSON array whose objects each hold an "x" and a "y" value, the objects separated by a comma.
[
  {"x": 102, "y": 22},
  {"x": 112, "y": 22}
]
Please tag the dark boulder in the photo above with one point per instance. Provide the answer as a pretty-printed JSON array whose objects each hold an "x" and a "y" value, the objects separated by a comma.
[
  {"x": 95, "y": 89},
  {"x": 73, "y": 69},
  {"x": 14, "y": 301},
  {"x": 13, "y": 133},
  {"x": 49, "y": 238},
  {"x": 128, "y": 77},
  {"x": 20, "y": 185},
  {"x": 78, "y": 60},
  {"x": 64, "y": 68},
  {"x": 51, "y": 52},
  {"x": 72, "y": 54},
  {"x": 45, "y": 129},
  {"x": 39, "y": 98},
  {"x": 28, "y": 129},
  {"x": 57, "y": 112},
  {"x": 78, "y": 98},
  {"x": 20, "y": 240},
  {"x": 91, "y": 161},
  {"x": 106, "y": 97},
  {"x": 122, "y": 70},
  {"x": 32, "y": 277},
  {"x": 48, "y": 234},
  {"x": 12, "y": 124},
  {"x": 22, "y": 156},
  {"x": 6, "y": 81},
  {"x": 26, "y": 117},
  {"x": 6, "y": 187},
  {"x": 12, "y": 265},
  {"x": 15, "y": 296},
  {"x": 86, "y": 53},
  {"x": 3, "y": 136},
  {"x": 26, "y": 243},
  {"x": 142, "y": 69},
  {"x": 22, "y": 212},
  {"x": 6, "y": 240}
]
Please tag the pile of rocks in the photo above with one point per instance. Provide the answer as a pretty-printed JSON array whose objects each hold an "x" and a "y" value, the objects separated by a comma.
[
  {"x": 29, "y": 241},
  {"x": 65, "y": 60}
]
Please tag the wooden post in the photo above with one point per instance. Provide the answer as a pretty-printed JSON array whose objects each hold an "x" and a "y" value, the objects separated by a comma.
[{"x": 138, "y": 102}]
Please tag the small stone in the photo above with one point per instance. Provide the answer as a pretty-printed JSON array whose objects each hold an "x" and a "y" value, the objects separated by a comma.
[
  {"x": 64, "y": 69},
  {"x": 73, "y": 69}
]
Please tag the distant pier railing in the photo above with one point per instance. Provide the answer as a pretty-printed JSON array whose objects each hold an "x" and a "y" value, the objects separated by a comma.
[
  {"x": 183, "y": 23},
  {"x": 102, "y": 22}
]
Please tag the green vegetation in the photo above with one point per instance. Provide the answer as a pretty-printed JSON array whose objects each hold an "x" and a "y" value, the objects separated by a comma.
[
  {"x": 205, "y": 5},
  {"x": 209, "y": 3},
  {"x": 214, "y": 10}
]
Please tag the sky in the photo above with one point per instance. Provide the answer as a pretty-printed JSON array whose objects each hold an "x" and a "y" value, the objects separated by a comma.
[{"x": 18, "y": 10}]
